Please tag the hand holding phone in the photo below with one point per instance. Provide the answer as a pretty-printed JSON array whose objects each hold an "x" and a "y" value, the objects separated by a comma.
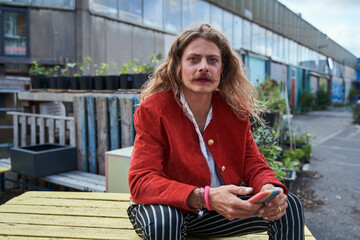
[{"x": 265, "y": 196}]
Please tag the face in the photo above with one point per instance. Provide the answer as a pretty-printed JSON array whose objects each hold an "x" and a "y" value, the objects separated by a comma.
[{"x": 201, "y": 67}]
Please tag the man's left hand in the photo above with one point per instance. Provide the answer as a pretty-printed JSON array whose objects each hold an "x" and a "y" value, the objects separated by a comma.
[{"x": 275, "y": 208}]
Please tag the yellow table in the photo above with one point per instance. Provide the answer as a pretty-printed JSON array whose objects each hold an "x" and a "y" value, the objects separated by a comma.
[{"x": 72, "y": 215}]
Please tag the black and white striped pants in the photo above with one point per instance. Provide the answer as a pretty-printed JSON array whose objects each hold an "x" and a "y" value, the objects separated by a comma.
[{"x": 168, "y": 223}]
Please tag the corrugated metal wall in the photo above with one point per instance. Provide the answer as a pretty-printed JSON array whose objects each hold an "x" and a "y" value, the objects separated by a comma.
[{"x": 278, "y": 18}]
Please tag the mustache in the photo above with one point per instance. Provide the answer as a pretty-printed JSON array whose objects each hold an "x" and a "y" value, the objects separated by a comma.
[{"x": 206, "y": 75}]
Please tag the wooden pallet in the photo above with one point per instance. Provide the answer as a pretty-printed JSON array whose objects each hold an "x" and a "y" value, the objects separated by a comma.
[{"x": 74, "y": 215}]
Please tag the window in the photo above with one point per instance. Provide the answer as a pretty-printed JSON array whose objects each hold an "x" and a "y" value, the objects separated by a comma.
[
  {"x": 228, "y": 26},
  {"x": 203, "y": 12},
  {"x": 14, "y": 32},
  {"x": 269, "y": 43},
  {"x": 258, "y": 44},
  {"x": 153, "y": 13},
  {"x": 247, "y": 35},
  {"x": 237, "y": 32},
  {"x": 195, "y": 12},
  {"x": 68, "y": 4},
  {"x": 216, "y": 17},
  {"x": 105, "y": 7},
  {"x": 173, "y": 16},
  {"x": 57, "y": 3},
  {"x": 131, "y": 10}
]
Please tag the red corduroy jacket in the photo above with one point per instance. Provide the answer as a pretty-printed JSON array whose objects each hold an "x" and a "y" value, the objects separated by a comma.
[{"x": 167, "y": 164}]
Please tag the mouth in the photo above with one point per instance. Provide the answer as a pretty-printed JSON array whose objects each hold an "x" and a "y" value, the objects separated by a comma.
[{"x": 202, "y": 79}]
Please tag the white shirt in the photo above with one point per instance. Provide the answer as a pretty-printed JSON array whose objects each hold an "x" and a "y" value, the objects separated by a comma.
[{"x": 215, "y": 182}]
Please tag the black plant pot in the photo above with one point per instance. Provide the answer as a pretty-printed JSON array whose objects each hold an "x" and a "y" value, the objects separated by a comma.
[
  {"x": 51, "y": 82},
  {"x": 126, "y": 81},
  {"x": 290, "y": 178},
  {"x": 62, "y": 83},
  {"x": 37, "y": 82},
  {"x": 99, "y": 83},
  {"x": 86, "y": 82},
  {"x": 74, "y": 83},
  {"x": 139, "y": 80},
  {"x": 271, "y": 118},
  {"x": 111, "y": 82}
]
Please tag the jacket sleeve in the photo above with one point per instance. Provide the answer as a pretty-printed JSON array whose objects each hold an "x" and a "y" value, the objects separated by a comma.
[
  {"x": 147, "y": 182},
  {"x": 257, "y": 172}
]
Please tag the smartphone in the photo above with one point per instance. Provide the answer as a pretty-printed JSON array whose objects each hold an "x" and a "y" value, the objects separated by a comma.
[{"x": 263, "y": 197}]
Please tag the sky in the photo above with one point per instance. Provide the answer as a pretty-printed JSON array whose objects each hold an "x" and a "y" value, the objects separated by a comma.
[{"x": 338, "y": 19}]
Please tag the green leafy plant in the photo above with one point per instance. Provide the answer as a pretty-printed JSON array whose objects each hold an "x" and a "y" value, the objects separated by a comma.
[
  {"x": 291, "y": 159},
  {"x": 87, "y": 67},
  {"x": 128, "y": 67},
  {"x": 102, "y": 69},
  {"x": 37, "y": 69},
  {"x": 56, "y": 70},
  {"x": 266, "y": 140},
  {"x": 269, "y": 93},
  {"x": 72, "y": 67}
]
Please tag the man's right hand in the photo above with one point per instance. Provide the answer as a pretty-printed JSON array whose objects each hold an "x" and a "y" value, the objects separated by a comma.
[{"x": 225, "y": 201}]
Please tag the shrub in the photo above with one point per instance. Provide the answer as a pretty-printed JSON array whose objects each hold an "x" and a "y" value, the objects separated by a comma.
[
  {"x": 323, "y": 99},
  {"x": 356, "y": 113},
  {"x": 307, "y": 102}
]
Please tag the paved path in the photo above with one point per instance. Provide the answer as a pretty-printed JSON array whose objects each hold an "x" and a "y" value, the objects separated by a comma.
[{"x": 336, "y": 156}]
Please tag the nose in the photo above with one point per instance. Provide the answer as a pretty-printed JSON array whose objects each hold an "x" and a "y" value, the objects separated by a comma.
[{"x": 203, "y": 66}]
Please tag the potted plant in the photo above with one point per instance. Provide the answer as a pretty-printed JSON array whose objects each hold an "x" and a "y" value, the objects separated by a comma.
[
  {"x": 78, "y": 81},
  {"x": 291, "y": 165},
  {"x": 37, "y": 74},
  {"x": 112, "y": 81},
  {"x": 100, "y": 72},
  {"x": 86, "y": 80},
  {"x": 266, "y": 140},
  {"x": 275, "y": 104},
  {"x": 126, "y": 76},
  {"x": 62, "y": 82}
]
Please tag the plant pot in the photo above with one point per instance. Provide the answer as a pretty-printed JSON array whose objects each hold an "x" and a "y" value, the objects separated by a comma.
[
  {"x": 86, "y": 83},
  {"x": 111, "y": 82},
  {"x": 37, "y": 82},
  {"x": 139, "y": 80},
  {"x": 62, "y": 83},
  {"x": 51, "y": 82},
  {"x": 271, "y": 118},
  {"x": 290, "y": 178},
  {"x": 126, "y": 81},
  {"x": 74, "y": 83},
  {"x": 99, "y": 83},
  {"x": 43, "y": 159}
]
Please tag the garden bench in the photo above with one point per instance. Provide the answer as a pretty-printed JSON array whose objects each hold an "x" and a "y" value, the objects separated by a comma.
[
  {"x": 75, "y": 215},
  {"x": 79, "y": 180}
]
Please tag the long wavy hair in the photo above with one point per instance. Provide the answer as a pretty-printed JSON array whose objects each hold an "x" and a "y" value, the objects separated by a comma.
[{"x": 234, "y": 87}]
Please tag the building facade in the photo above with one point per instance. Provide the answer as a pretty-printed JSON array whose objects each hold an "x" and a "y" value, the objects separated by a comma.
[{"x": 273, "y": 41}]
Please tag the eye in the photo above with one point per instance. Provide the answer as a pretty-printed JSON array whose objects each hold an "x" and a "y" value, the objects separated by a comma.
[
  {"x": 192, "y": 59},
  {"x": 213, "y": 60}
]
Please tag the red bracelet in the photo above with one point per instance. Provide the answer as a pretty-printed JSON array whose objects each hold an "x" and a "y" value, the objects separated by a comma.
[{"x": 207, "y": 198}]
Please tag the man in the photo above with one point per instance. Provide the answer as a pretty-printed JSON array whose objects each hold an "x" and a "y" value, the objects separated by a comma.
[{"x": 194, "y": 148}]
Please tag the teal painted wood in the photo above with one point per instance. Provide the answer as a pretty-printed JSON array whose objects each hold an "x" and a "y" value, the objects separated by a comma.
[
  {"x": 114, "y": 123},
  {"x": 136, "y": 104},
  {"x": 83, "y": 135},
  {"x": 91, "y": 134}
]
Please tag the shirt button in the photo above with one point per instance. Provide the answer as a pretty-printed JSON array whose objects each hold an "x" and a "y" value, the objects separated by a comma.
[
  {"x": 223, "y": 168},
  {"x": 210, "y": 142}
]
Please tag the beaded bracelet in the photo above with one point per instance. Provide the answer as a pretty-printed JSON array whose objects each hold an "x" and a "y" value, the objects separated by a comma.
[{"x": 207, "y": 198}]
